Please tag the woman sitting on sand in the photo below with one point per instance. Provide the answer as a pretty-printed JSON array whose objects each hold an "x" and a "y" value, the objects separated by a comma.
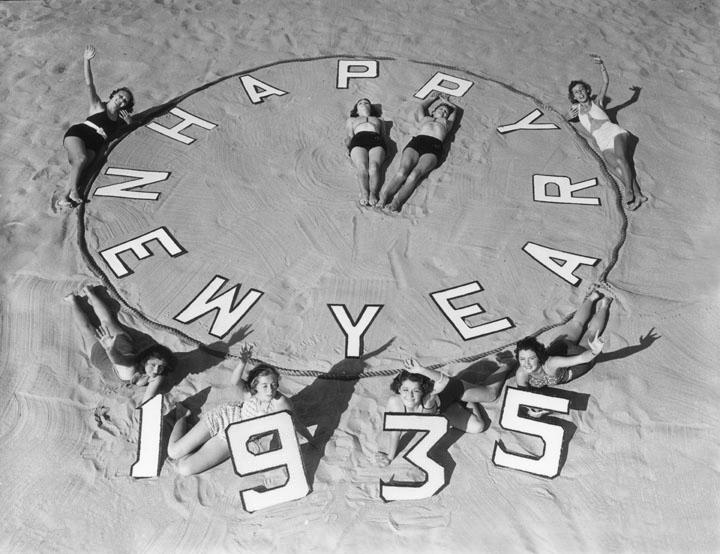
[
  {"x": 564, "y": 360},
  {"x": 205, "y": 445},
  {"x": 612, "y": 140},
  {"x": 111, "y": 346},
  {"x": 422, "y": 153},
  {"x": 84, "y": 140},
  {"x": 420, "y": 390},
  {"x": 366, "y": 146}
]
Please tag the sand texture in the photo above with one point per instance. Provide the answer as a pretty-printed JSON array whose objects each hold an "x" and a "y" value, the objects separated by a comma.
[{"x": 267, "y": 199}]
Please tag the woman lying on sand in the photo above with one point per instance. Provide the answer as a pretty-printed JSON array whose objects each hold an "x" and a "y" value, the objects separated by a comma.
[
  {"x": 612, "y": 140},
  {"x": 419, "y": 390},
  {"x": 565, "y": 359},
  {"x": 422, "y": 153},
  {"x": 366, "y": 146},
  {"x": 205, "y": 445},
  {"x": 84, "y": 140},
  {"x": 112, "y": 347}
]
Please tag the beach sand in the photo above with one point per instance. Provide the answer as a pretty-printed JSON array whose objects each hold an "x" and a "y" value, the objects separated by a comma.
[{"x": 269, "y": 201}]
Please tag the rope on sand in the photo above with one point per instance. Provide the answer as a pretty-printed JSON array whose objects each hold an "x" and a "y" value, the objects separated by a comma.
[{"x": 150, "y": 114}]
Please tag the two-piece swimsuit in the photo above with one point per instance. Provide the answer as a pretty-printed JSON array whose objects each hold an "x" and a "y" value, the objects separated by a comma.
[
  {"x": 95, "y": 131},
  {"x": 426, "y": 144},
  {"x": 366, "y": 139}
]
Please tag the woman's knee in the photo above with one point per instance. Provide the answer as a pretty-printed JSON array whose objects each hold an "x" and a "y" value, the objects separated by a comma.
[
  {"x": 184, "y": 467},
  {"x": 475, "y": 425}
]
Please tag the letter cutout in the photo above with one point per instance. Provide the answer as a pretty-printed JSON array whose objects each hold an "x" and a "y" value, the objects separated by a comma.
[
  {"x": 548, "y": 464},
  {"x": 287, "y": 456},
  {"x": 457, "y": 316},
  {"x": 227, "y": 313},
  {"x": 257, "y": 90},
  {"x": 526, "y": 124},
  {"x": 126, "y": 189},
  {"x": 137, "y": 246},
  {"x": 187, "y": 120},
  {"x": 565, "y": 190},
  {"x": 434, "y": 427},
  {"x": 354, "y": 331},
  {"x": 148, "y": 458},
  {"x": 548, "y": 256},
  {"x": 436, "y": 83},
  {"x": 344, "y": 74}
]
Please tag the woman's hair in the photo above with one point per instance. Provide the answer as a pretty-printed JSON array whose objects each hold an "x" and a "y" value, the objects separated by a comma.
[
  {"x": 531, "y": 343},
  {"x": 131, "y": 103},
  {"x": 160, "y": 352},
  {"x": 426, "y": 384},
  {"x": 440, "y": 105},
  {"x": 374, "y": 110},
  {"x": 572, "y": 85},
  {"x": 260, "y": 371}
]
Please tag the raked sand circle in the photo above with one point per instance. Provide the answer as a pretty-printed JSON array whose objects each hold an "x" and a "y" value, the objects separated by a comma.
[{"x": 271, "y": 148}]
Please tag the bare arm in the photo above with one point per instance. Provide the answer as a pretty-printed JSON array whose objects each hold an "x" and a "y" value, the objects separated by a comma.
[
  {"x": 522, "y": 379},
  {"x": 348, "y": 131},
  {"x": 240, "y": 372},
  {"x": 95, "y": 102},
  {"x": 606, "y": 80},
  {"x": 153, "y": 387},
  {"x": 421, "y": 109},
  {"x": 596, "y": 345},
  {"x": 441, "y": 380}
]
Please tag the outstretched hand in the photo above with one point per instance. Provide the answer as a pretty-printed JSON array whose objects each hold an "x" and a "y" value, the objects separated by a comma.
[
  {"x": 104, "y": 336},
  {"x": 382, "y": 459},
  {"x": 246, "y": 352},
  {"x": 596, "y": 344},
  {"x": 596, "y": 59},
  {"x": 125, "y": 116},
  {"x": 89, "y": 53},
  {"x": 411, "y": 366}
]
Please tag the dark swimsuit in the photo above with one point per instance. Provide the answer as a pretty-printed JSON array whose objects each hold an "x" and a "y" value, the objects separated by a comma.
[
  {"x": 366, "y": 140},
  {"x": 89, "y": 135},
  {"x": 425, "y": 144}
]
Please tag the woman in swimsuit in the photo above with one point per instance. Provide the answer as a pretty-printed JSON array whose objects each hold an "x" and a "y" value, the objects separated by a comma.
[
  {"x": 84, "y": 140},
  {"x": 112, "y": 347},
  {"x": 422, "y": 153},
  {"x": 205, "y": 445},
  {"x": 612, "y": 140},
  {"x": 565, "y": 359},
  {"x": 366, "y": 147},
  {"x": 420, "y": 390}
]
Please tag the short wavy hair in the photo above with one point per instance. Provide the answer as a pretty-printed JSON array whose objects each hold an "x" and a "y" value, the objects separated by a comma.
[
  {"x": 160, "y": 352},
  {"x": 426, "y": 384},
  {"x": 572, "y": 85},
  {"x": 131, "y": 103},
  {"x": 531, "y": 343},
  {"x": 258, "y": 371}
]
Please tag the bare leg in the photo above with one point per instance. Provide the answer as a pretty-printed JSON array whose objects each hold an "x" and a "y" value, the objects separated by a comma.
[
  {"x": 425, "y": 165},
  {"x": 491, "y": 391},
  {"x": 195, "y": 451},
  {"x": 408, "y": 161},
  {"x": 575, "y": 327},
  {"x": 622, "y": 151},
  {"x": 79, "y": 157},
  {"x": 599, "y": 318},
  {"x": 377, "y": 156},
  {"x": 359, "y": 157},
  {"x": 81, "y": 319},
  {"x": 107, "y": 318}
]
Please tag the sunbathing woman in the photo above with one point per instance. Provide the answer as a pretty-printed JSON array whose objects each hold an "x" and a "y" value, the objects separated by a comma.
[
  {"x": 422, "y": 153},
  {"x": 84, "y": 140},
  {"x": 205, "y": 445},
  {"x": 565, "y": 359},
  {"x": 612, "y": 140},
  {"x": 112, "y": 347},
  {"x": 366, "y": 147},
  {"x": 420, "y": 390}
]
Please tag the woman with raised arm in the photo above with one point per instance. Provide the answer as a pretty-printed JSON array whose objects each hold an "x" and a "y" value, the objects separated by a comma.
[
  {"x": 205, "y": 445},
  {"x": 366, "y": 146},
  {"x": 112, "y": 347},
  {"x": 421, "y": 390},
  {"x": 565, "y": 359},
  {"x": 422, "y": 153},
  {"x": 611, "y": 139},
  {"x": 85, "y": 140}
]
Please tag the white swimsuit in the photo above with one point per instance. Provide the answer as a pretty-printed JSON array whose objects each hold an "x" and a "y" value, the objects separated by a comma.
[{"x": 598, "y": 124}]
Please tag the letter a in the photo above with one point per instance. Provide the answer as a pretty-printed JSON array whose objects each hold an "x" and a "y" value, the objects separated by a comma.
[
  {"x": 257, "y": 90},
  {"x": 548, "y": 256}
]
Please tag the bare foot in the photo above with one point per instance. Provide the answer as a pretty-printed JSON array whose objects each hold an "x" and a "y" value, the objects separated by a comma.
[
  {"x": 69, "y": 298},
  {"x": 181, "y": 411},
  {"x": 594, "y": 294},
  {"x": 393, "y": 207},
  {"x": 373, "y": 200},
  {"x": 604, "y": 302},
  {"x": 364, "y": 201}
]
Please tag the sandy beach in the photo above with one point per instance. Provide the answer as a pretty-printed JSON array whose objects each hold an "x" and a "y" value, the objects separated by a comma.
[{"x": 263, "y": 197}]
